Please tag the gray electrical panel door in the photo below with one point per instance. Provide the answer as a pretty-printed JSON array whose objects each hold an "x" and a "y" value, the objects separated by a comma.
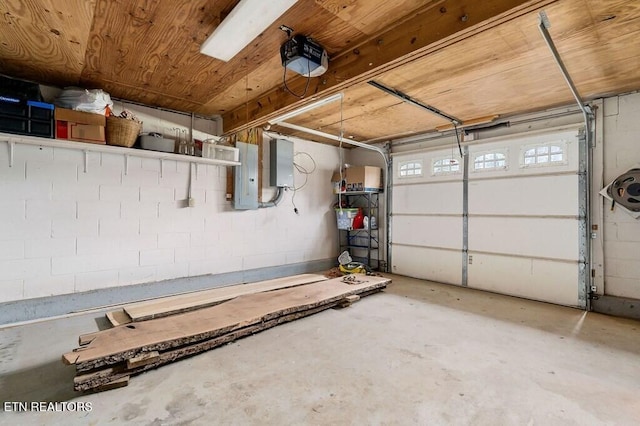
[
  {"x": 245, "y": 193},
  {"x": 281, "y": 163}
]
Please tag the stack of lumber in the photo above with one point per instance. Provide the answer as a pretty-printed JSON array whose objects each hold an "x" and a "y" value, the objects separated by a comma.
[
  {"x": 107, "y": 358},
  {"x": 189, "y": 301}
]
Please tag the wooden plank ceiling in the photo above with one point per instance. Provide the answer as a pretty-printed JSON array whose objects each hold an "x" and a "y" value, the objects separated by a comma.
[{"x": 469, "y": 59}]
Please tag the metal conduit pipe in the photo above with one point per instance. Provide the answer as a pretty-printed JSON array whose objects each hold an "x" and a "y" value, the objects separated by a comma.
[{"x": 274, "y": 201}]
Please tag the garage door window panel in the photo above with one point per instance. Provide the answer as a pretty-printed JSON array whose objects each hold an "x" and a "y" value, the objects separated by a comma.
[
  {"x": 549, "y": 154},
  {"x": 490, "y": 161},
  {"x": 409, "y": 169},
  {"x": 446, "y": 166}
]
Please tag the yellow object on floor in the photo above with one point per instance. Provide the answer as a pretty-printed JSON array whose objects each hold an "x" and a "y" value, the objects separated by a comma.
[{"x": 353, "y": 268}]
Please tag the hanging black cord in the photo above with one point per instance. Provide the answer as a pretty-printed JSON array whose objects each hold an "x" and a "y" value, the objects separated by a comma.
[
  {"x": 306, "y": 87},
  {"x": 455, "y": 126}
]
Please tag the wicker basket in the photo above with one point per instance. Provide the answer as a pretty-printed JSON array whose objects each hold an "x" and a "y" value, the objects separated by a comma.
[{"x": 122, "y": 132}]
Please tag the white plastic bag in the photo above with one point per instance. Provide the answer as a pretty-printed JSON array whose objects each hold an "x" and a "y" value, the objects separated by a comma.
[{"x": 95, "y": 100}]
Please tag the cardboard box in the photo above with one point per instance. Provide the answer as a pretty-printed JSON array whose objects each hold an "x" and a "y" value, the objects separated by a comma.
[
  {"x": 80, "y": 126},
  {"x": 359, "y": 178}
]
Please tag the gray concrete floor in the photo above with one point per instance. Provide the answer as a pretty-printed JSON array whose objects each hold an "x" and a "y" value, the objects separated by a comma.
[{"x": 419, "y": 353}]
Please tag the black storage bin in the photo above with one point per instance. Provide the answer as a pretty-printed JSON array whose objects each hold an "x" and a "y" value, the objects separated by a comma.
[
  {"x": 22, "y": 111},
  {"x": 29, "y": 118},
  {"x": 20, "y": 89},
  {"x": 14, "y": 125},
  {"x": 41, "y": 128},
  {"x": 13, "y": 107},
  {"x": 40, "y": 110}
]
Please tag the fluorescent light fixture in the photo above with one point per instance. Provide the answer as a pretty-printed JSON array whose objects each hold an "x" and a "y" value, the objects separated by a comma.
[
  {"x": 245, "y": 22},
  {"x": 306, "y": 108}
]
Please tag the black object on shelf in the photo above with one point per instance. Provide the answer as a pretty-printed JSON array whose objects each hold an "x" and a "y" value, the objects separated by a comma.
[
  {"x": 13, "y": 107},
  {"x": 21, "y": 90},
  {"x": 32, "y": 118}
]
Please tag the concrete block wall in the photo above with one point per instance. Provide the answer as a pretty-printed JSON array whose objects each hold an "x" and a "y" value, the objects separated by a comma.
[
  {"x": 64, "y": 230},
  {"x": 621, "y": 129}
]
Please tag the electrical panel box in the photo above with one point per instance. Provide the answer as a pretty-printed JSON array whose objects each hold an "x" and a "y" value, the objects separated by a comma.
[
  {"x": 281, "y": 163},
  {"x": 245, "y": 193}
]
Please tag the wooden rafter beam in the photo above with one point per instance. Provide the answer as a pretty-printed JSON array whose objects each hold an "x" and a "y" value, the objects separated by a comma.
[{"x": 444, "y": 23}]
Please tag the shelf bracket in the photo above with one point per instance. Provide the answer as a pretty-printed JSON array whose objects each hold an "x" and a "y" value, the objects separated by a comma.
[
  {"x": 126, "y": 165},
  {"x": 12, "y": 148},
  {"x": 86, "y": 161},
  {"x": 161, "y": 167}
]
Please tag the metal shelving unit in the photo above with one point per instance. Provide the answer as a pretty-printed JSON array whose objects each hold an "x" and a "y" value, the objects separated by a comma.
[{"x": 363, "y": 244}]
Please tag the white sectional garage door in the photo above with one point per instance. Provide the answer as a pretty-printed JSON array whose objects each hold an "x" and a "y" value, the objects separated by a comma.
[
  {"x": 521, "y": 234},
  {"x": 427, "y": 218}
]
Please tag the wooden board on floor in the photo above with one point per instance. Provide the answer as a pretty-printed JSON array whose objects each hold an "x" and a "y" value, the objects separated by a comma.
[
  {"x": 348, "y": 301},
  {"x": 118, "y": 317},
  {"x": 186, "y": 302},
  {"x": 118, "y": 344},
  {"x": 113, "y": 384},
  {"x": 97, "y": 378},
  {"x": 85, "y": 339},
  {"x": 142, "y": 359}
]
